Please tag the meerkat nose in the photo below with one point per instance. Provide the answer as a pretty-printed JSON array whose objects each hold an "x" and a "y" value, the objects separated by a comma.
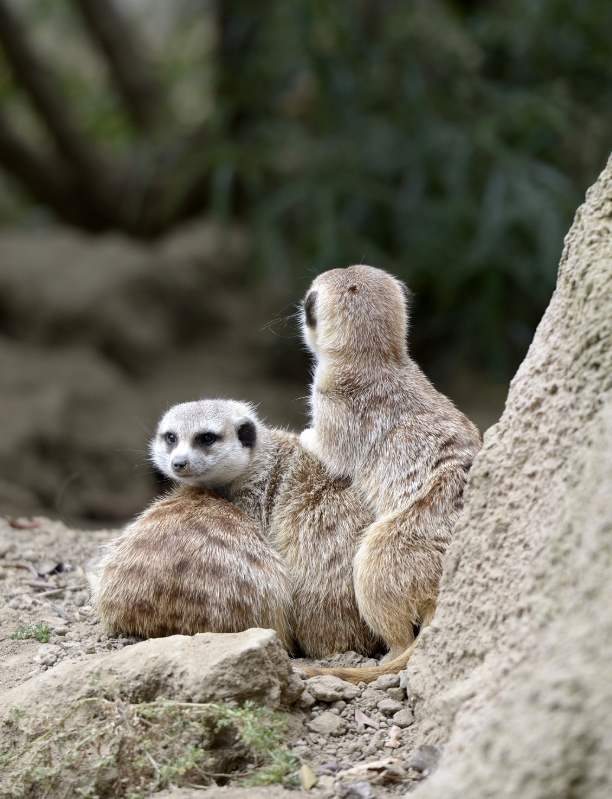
[{"x": 179, "y": 463}]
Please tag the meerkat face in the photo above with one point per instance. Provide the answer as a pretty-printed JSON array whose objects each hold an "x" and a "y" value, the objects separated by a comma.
[
  {"x": 209, "y": 443},
  {"x": 356, "y": 311}
]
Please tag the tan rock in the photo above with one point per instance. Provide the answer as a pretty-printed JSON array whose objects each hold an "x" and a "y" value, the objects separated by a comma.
[
  {"x": 514, "y": 671},
  {"x": 206, "y": 667},
  {"x": 327, "y": 688}
]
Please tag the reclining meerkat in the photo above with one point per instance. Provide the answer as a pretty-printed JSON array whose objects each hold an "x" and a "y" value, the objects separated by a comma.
[
  {"x": 193, "y": 562},
  {"x": 311, "y": 521},
  {"x": 377, "y": 420}
]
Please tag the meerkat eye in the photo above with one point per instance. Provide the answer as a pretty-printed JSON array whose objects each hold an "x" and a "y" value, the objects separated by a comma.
[
  {"x": 310, "y": 309},
  {"x": 170, "y": 438},
  {"x": 205, "y": 439}
]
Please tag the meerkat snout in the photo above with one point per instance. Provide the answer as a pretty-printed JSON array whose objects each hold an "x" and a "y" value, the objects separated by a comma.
[
  {"x": 209, "y": 443},
  {"x": 178, "y": 463}
]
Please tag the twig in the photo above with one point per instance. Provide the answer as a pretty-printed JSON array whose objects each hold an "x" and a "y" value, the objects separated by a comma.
[
  {"x": 141, "y": 93},
  {"x": 52, "y": 107}
]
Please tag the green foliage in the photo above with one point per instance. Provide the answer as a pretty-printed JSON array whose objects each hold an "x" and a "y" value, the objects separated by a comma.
[
  {"x": 105, "y": 746},
  {"x": 449, "y": 141},
  {"x": 39, "y": 631}
]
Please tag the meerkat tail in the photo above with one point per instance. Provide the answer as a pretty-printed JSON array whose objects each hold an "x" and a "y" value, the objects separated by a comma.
[{"x": 366, "y": 675}]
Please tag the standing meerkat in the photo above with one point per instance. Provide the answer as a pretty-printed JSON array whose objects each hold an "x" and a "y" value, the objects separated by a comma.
[
  {"x": 193, "y": 562},
  {"x": 311, "y": 521},
  {"x": 377, "y": 420}
]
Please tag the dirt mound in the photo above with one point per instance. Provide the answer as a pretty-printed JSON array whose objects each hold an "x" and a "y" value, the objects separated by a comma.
[{"x": 514, "y": 672}]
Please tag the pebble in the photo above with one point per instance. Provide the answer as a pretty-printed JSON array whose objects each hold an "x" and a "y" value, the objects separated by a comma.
[
  {"x": 81, "y": 598},
  {"x": 357, "y": 790},
  {"x": 403, "y": 718},
  {"x": 370, "y": 698},
  {"x": 389, "y": 706},
  {"x": 327, "y": 724},
  {"x": 425, "y": 758},
  {"x": 306, "y": 700},
  {"x": 47, "y": 654},
  {"x": 386, "y": 681},
  {"x": 396, "y": 693},
  {"x": 327, "y": 688}
]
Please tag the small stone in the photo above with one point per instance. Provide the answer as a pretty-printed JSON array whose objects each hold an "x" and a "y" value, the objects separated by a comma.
[
  {"x": 326, "y": 688},
  {"x": 389, "y": 706},
  {"x": 81, "y": 598},
  {"x": 385, "y": 681},
  {"x": 403, "y": 680},
  {"x": 425, "y": 758},
  {"x": 331, "y": 766},
  {"x": 396, "y": 693},
  {"x": 327, "y": 724},
  {"x": 306, "y": 700},
  {"x": 6, "y": 547},
  {"x": 370, "y": 698},
  {"x": 339, "y": 705},
  {"x": 403, "y": 718},
  {"x": 60, "y": 630},
  {"x": 357, "y": 790},
  {"x": 47, "y": 654}
]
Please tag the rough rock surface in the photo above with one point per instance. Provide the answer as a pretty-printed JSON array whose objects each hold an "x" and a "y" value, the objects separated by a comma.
[
  {"x": 207, "y": 667},
  {"x": 261, "y": 792},
  {"x": 514, "y": 671}
]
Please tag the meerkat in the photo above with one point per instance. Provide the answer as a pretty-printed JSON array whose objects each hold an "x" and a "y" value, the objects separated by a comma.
[
  {"x": 377, "y": 420},
  {"x": 311, "y": 521},
  {"x": 193, "y": 562}
]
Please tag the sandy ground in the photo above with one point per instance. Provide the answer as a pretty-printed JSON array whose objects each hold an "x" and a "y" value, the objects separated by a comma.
[{"x": 42, "y": 580}]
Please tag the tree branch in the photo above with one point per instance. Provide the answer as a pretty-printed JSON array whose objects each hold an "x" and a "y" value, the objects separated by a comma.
[
  {"x": 46, "y": 179},
  {"x": 132, "y": 73},
  {"x": 76, "y": 149}
]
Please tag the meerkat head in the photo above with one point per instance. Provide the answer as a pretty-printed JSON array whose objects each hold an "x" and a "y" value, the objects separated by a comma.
[
  {"x": 209, "y": 443},
  {"x": 359, "y": 311}
]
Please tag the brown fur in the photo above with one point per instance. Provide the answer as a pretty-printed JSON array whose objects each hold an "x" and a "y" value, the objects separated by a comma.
[
  {"x": 315, "y": 523},
  {"x": 378, "y": 421},
  {"x": 311, "y": 520},
  {"x": 192, "y": 563}
]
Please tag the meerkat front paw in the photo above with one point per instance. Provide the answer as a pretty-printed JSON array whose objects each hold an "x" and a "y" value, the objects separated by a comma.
[{"x": 308, "y": 439}]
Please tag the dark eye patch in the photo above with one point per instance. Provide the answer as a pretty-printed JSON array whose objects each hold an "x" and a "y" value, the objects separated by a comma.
[
  {"x": 205, "y": 439},
  {"x": 169, "y": 438},
  {"x": 310, "y": 309}
]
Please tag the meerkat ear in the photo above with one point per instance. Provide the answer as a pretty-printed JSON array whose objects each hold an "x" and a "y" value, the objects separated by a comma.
[
  {"x": 247, "y": 433},
  {"x": 310, "y": 309}
]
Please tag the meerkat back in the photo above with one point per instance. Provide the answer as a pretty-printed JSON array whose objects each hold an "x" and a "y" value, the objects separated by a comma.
[
  {"x": 379, "y": 421},
  {"x": 192, "y": 563}
]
